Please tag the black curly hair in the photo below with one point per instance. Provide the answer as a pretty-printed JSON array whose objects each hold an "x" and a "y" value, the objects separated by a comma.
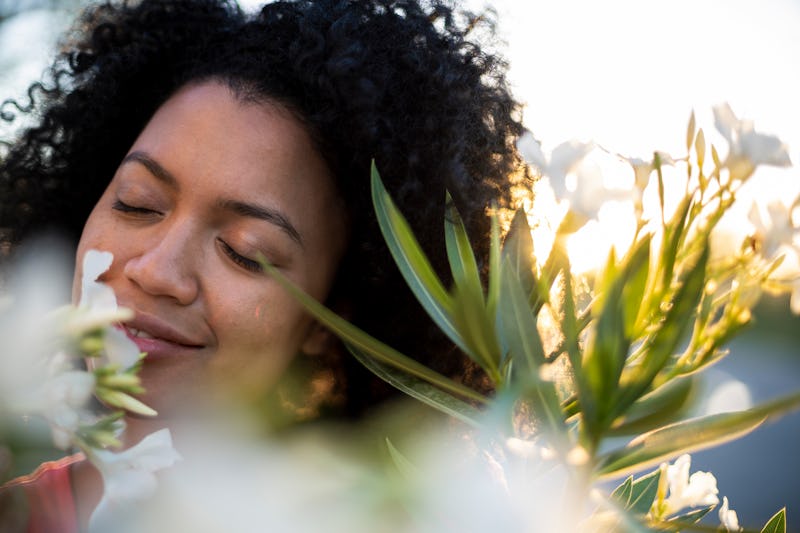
[{"x": 397, "y": 81}]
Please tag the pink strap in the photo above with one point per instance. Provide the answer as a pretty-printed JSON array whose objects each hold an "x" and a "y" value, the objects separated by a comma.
[{"x": 51, "y": 503}]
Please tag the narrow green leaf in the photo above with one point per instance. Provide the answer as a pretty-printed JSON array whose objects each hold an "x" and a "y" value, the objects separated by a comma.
[
  {"x": 519, "y": 330},
  {"x": 412, "y": 262},
  {"x": 644, "y": 492},
  {"x": 470, "y": 314},
  {"x": 690, "y": 435},
  {"x": 656, "y": 408},
  {"x": 776, "y": 524},
  {"x": 495, "y": 251},
  {"x": 459, "y": 250},
  {"x": 124, "y": 401},
  {"x": 660, "y": 346},
  {"x": 517, "y": 323},
  {"x": 673, "y": 235},
  {"x": 406, "y": 468},
  {"x": 420, "y": 389},
  {"x": 368, "y": 344},
  {"x": 518, "y": 250},
  {"x": 634, "y": 288},
  {"x": 470, "y": 317},
  {"x": 622, "y": 494},
  {"x": 607, "y": 349},
  {"x": 572, "y": 332},
  {"x": 692, "y": 517}
]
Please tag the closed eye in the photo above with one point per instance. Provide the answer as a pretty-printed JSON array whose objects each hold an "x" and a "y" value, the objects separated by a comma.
[
  {"x": 242, "y": 261},
  {"x": 121, "y": 206}
]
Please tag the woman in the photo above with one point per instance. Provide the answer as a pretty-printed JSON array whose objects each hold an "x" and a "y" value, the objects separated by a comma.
[{"x": 186, "y": 138}]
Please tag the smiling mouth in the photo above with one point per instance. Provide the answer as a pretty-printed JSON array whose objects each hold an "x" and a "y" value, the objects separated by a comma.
[
  {"x": 149, "y": 342},
  {"x": 139, "y": 334}
]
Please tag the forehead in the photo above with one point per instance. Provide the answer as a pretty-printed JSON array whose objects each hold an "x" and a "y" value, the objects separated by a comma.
[{"x": 217, "y": 145}]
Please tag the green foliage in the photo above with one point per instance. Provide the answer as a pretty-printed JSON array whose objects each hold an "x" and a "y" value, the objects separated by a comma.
[
  {"x": 776, "y": 524},
  {"x": 578, "y": 359}
]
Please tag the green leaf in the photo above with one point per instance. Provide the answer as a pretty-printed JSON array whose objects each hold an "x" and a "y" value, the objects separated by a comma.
[
  {"x": 459, "y": 250},
  {"x": 419, "y": 389},
  {"x": 406, "y": 468},
  {"x": 634, "y": 288},
  {"x": 518, "y": 329},
  {"x": 470, "y": 314},
  {"x": 571, "y": 330},
  {"x": 692, "y": 517},
  {"x": 673, "y": 234},
  {"x": 607, "y": 349},
  {"x": 644, "y": 492},
  {"x": 495, "y": 251},
  {"x": 412, "y": 262},
  {"x": 470, "y": 317},
  {"x": 368, "y": 344},
  {"x": 776, "y": 524},
  {"x": 622, "y": 494},
  {"x": 690, "y": 435},
  {"x": 658, "y": 348},
  {"x": 124, "y": 401},
  {"x": 518, "y": 251},
  {"x": 657, "y": 408}
]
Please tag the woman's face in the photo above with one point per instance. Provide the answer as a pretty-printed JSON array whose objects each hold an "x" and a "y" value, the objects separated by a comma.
[{"x": 211, "y": 183}]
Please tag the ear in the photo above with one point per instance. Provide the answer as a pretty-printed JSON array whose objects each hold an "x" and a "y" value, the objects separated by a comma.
[{"x": 318, "y": 340}]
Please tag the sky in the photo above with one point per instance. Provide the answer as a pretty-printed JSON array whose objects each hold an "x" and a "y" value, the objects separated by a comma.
[
  {"x": 624, "y": 73},
  {"x": 627, "y": 73}
]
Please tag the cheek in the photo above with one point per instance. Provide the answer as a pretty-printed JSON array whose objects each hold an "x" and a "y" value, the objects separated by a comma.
[{"x": 258, "y": 334}]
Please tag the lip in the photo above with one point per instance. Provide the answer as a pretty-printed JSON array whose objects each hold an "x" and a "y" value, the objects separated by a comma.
[{"x": 167, "y": 340}]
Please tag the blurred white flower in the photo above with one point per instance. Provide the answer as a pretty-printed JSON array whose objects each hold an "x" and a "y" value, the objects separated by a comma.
[
  {"x": 97, "y": 307},
  {"x": 63, "y": 401},
  {"x": 699, "y": 489},
  {"x": 794, "y": 300},
  {"x": 120, "y": 350},
  {"x": 32, "y": 288},
  {"x": 129, "y": 476},
  {"x": 531, "y": 150},
  {"x": 773, "y": 231},
  {"x": 747, "y": 148},
  {"x": 728, "y": 517},
  {"x": 642, "y": 169},
  {"x": 60, "y": 397},
  {"x": 571, "y": 175}
]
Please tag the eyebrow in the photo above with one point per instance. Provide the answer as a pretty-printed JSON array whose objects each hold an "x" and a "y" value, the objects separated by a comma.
[{"x": 245, "y": 209}]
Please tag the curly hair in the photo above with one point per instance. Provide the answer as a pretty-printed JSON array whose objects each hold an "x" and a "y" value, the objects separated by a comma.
[{"x": 397, "y": 81}]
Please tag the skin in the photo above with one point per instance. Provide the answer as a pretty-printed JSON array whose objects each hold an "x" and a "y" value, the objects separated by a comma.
[{"x": 211, "y": 182}]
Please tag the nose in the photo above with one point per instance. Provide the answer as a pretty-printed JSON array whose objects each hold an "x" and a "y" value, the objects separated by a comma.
[{"x": 166, "y": 266}]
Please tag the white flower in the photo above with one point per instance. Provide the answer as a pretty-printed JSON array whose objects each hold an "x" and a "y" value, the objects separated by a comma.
[
  {"x": 747, "y": 148},
  {"x": 728, "y": 517},
  {"x": 564, "y": 158},
  {"x": 531, "y": 151},
  {"x": 97, "y": 307},
  {"x": 129, "y": 476},
  {"x": 699, "y": 489},
  {"x": 571, "y": 176},
  {"x": 120, "y": 350},
  {"x": 775, "y": 231},
  {"x": 60, "y": 398},
  {"x": 643, "y": 169},
  {"x": 67, "y": 396},
  {"x": 794, "y": 301}
]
